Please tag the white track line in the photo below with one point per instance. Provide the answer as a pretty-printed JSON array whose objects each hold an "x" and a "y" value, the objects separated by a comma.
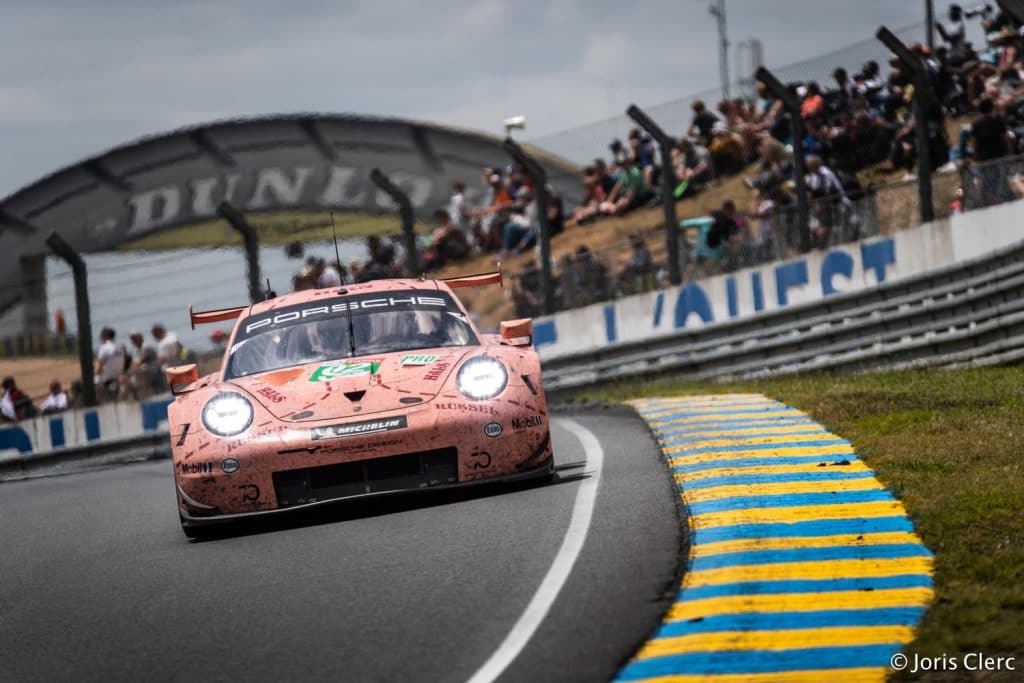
[{"x": 561, "y": 567}]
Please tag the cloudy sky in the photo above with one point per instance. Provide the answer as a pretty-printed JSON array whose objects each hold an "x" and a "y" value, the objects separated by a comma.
[{"x": 80, "y": 76}]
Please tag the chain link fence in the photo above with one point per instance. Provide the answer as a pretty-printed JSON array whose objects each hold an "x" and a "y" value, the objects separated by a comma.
[
  {"x": 990, "y": 182},
  {"x": 582, "y": 144}
]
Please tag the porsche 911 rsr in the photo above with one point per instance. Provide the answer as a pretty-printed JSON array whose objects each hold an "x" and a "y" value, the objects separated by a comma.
[{"x": 340, "y": 393}]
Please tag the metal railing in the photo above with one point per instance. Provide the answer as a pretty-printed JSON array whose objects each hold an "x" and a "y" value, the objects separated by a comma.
[
  {"x": 604, "y": 274},
  {"x": 991, "y": 182},
  {"x": 38, "y": 345},
  {"x": 970, "y": 313}
]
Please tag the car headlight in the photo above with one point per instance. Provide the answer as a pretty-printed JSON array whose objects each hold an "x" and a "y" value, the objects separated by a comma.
[
  {"x": 227, "y": 414},
  {"x": 482, "y": 378}
]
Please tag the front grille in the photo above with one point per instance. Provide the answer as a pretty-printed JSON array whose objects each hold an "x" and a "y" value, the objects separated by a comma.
[{"x": 395, "y": 473}]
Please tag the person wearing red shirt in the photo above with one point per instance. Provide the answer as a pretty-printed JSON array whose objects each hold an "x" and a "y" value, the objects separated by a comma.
[{"x": 813, "y": 104}]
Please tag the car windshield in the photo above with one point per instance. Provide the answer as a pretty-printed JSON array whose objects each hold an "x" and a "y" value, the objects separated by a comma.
[{"x": 320, "y": 330}]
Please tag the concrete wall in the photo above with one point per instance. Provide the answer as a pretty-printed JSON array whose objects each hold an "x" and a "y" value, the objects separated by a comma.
[
  {"x": 81, "y": 427},
  {"x": 809, "y": 278}
]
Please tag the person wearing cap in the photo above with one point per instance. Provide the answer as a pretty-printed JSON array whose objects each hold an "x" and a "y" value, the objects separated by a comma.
[{"x": 219, "y": 339}]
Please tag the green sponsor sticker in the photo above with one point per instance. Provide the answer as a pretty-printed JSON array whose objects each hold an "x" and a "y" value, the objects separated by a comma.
[
  {"x": 422, "y": 359},
  {"x": 326, "y": 373}
]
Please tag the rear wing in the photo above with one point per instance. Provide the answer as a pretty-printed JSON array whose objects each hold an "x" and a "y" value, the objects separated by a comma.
[
  {"x": 216, "y": 316},
  {"x": 478, "y": 280}
]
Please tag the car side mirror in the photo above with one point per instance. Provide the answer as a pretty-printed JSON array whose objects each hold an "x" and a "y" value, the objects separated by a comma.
[
  {"x": 517, "y": 332},
  {"x": 181, "y": 377}
]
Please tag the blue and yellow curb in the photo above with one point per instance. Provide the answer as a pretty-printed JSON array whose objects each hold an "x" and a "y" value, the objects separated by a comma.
[{"x": 802, "y": 566}]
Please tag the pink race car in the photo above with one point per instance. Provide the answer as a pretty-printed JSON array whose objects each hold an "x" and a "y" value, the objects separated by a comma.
[{"x": 361, "y": 390}]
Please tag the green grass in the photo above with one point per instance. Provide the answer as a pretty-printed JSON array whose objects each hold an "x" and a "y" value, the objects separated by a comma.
[
  {"x": 948, "y": 444},
  {"x": 274, "y": 228}
]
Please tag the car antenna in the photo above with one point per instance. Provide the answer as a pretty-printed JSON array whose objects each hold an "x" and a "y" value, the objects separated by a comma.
[
  {"x": 337, "y": 255},
  {"x": 348, "y": 305},
  {"x": 266, "y": 295}
]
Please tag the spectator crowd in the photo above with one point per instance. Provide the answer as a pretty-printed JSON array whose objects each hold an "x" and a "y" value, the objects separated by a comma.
[
  {"x": 122, "y": 372},
  {"x": 859, "y": 120}
]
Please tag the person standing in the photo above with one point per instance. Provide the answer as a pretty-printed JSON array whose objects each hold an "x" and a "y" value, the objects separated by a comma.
[
  {"x": 111, "y": 362},
  {"x": 168, "y": 350},
  {"x": 458, "y": 210},
  {"x": 219, "y": 339},
  {"x": 144, "y": 375},
  {"x": 327, "y": 274}
]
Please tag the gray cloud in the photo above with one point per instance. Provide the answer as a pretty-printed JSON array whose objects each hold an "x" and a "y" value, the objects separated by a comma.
[{"x": 83, "y": 76}]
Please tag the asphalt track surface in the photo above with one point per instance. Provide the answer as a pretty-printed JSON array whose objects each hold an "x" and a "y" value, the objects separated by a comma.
[{"x": 97, "y": 581}]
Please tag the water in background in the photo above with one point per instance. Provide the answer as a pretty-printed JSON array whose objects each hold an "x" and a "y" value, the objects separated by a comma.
[{"x": 132, "y": 290}]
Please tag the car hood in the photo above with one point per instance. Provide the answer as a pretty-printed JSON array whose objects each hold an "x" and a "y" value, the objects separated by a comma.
[{"x": 354, "y": 386}]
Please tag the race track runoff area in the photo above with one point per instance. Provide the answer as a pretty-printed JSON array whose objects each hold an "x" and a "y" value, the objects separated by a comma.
[{"x": 802, "y": 566}]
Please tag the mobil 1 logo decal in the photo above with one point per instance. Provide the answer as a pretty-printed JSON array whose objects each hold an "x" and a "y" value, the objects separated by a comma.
[{"x": 529, "y": 422}]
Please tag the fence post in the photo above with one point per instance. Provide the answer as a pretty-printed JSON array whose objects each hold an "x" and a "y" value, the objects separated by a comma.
[
  {"x": 412, "y": 261},
  {"x": 1015, "y": 8},
  {"x": 78, "y": 270},
  {"x": 929, "y": 20},
  {"x": 792, "y": 106},
  {"x": 668, "y": 182},
  {"x": 922, "y": 98},
  {"x": 540, "y": 180},
  {"x": 252, "y": 246}
]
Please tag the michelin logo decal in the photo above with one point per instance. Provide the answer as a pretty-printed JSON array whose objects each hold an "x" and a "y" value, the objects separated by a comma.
[{"x": 348, "y": 429}]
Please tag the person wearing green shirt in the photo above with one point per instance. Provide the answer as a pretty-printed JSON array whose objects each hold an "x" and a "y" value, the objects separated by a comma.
[{"x": 630, "y": 192}]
